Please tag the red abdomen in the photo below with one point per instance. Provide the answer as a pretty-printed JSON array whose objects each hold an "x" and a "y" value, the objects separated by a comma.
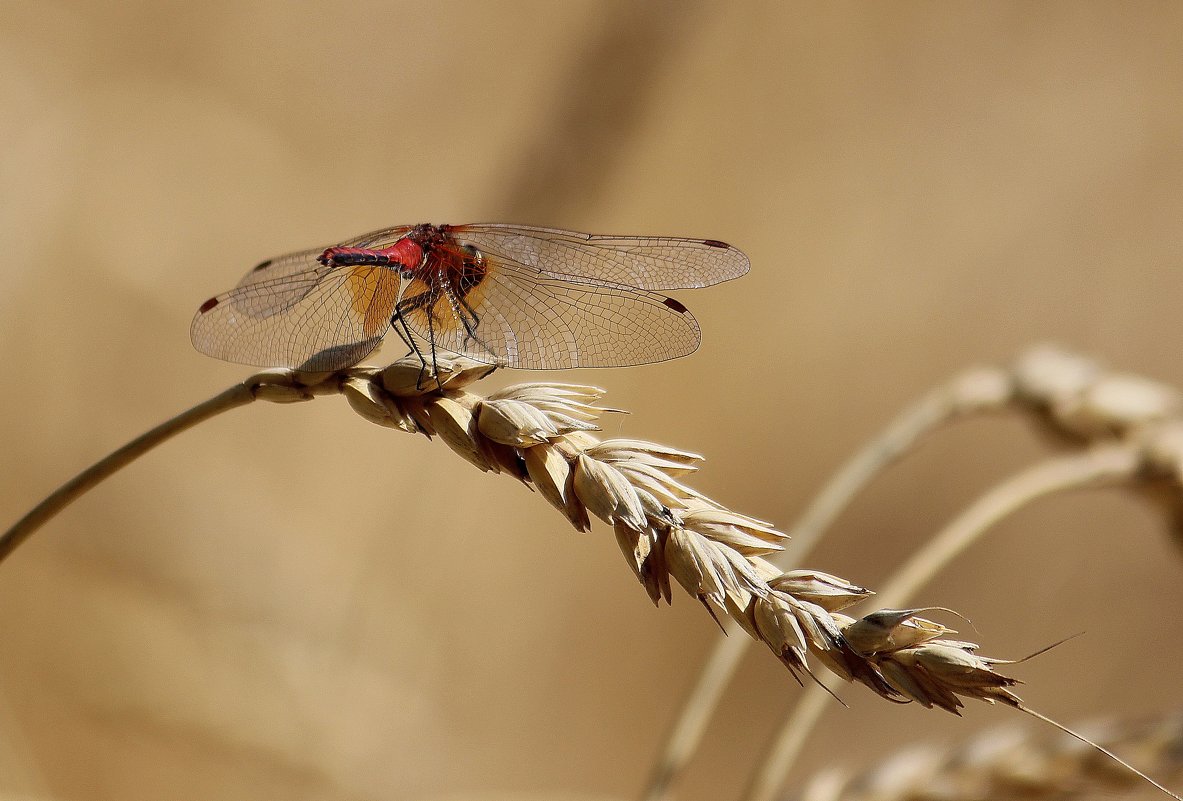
[{"x": 402, "y": 255}]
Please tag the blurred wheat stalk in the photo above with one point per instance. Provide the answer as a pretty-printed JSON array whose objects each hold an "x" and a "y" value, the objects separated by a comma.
[
  {"x": 1007, "y": 763},
  {"x": 541, "y": 434}
]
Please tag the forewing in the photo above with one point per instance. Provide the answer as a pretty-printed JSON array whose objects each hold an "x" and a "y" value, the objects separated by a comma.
[
  {"x": 295, "y": 265},
  {"x": 381, "y": 238},
  {"x": 326, "y": 318},
  {"x": 645, "y": 262},
  {"x": 521, "y": 319}
]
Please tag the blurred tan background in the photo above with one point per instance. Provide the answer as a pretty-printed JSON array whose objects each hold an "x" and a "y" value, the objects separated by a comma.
[{"x": 290, "y": 603}]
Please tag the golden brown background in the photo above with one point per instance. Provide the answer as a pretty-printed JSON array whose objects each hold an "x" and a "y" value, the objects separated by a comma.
[{"x": 290, "y": 603}]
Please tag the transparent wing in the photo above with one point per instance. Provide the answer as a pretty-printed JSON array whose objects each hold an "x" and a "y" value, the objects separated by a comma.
[
  {"x": 645, "y": 262},
  {"x": 377, "y": 239},
  {"x": 517, "y": 318},
  {"x": 290, "y": 265},
  {"x": 325, "y": 318}
]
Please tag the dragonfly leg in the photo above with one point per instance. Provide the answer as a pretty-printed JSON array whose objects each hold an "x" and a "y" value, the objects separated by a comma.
[
  {"x": 423, "y": 300},
  {"x": 399, "y": 322},
  {"x": 435, "y": 370},
  {"x": 470, "y": 325},
  {"x": 404, "y": 333},
  {"x": 399, "y": 326}
]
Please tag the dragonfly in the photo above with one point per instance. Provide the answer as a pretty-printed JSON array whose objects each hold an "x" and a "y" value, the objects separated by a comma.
[{"x": 508, "y": 295}]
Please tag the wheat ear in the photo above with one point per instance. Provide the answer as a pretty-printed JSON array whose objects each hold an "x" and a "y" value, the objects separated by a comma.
[{"x": 542, "y": 434}]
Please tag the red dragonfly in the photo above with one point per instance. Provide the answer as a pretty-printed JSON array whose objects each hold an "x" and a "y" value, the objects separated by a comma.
[{"x": 511, "y": 295}]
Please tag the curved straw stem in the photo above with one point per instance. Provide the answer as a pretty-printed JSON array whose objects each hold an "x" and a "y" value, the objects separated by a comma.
[
  {"x": 948, "y": 401},
  {"x": 63, "y": 496},
  {"x": 1101, "y": 465}
]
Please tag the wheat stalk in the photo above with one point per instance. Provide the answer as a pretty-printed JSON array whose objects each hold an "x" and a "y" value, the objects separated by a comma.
[{"x": 1005, "y": 763}]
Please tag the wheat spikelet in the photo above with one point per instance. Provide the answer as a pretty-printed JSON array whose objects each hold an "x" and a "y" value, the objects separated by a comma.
[{"x": 1002, "y": 764}]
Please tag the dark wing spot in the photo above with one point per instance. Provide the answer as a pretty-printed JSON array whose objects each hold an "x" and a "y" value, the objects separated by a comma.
[
  {"x": 715, "y": 243},
  {"x": 262, "y": 265},
  {"x": 675, "y": 305},
  {"x": 209, "y": 304}
]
